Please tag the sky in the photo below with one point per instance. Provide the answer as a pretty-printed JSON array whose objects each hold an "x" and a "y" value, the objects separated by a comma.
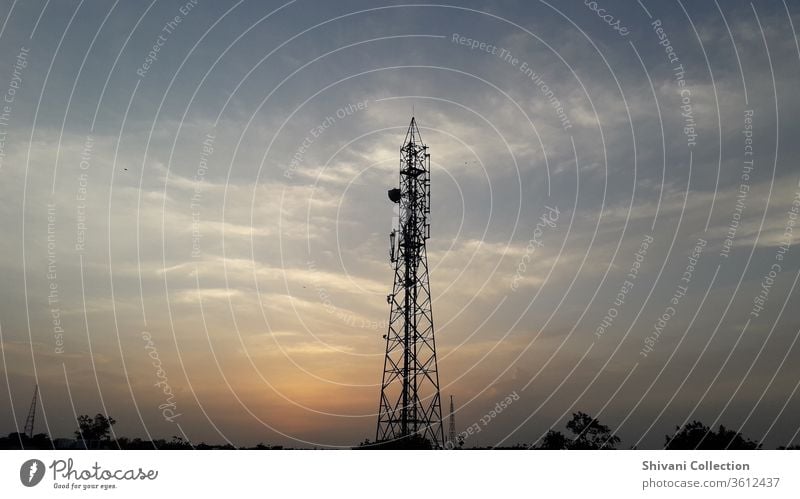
[{"x": 196, "y": 224}]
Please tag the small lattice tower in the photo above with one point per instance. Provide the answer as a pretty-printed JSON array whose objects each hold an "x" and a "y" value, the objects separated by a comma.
[
  {"x": 451, "y": 431},
  {"x": 29, "y": 422}
]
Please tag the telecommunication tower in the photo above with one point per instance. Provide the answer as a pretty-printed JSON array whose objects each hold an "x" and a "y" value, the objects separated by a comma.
[
  {"x": 410, "y": 406},
  {"x": 31, "y": 414},
  {"x": 451, "y": 431}
]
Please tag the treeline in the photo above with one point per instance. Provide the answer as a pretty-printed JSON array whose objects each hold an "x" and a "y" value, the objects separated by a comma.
[
  {"x": 583, "y": 432},
  {"x": 42, "y": 441},
  {"x": 587, "y": 433},
  {"x": 95, "y": 433}
]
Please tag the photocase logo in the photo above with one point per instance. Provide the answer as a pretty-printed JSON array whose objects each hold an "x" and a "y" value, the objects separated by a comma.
[{"x": 31, "y": 472}]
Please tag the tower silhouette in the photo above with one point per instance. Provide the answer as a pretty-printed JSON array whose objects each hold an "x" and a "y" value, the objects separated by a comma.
[
  {"x": 410, "y": 412},
  {"x": 451, "y": 431},
  {"x": 29, "y": 422}
]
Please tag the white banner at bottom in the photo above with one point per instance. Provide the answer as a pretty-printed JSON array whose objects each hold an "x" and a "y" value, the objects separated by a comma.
[{"x": 506, "y": 473}]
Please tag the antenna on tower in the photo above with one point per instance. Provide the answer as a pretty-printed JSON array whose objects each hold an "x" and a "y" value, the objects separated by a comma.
[
  {"x": 410, "y": 411},
  {"x": 31, "y": 413},
  {"x": 451, "y": 434}
]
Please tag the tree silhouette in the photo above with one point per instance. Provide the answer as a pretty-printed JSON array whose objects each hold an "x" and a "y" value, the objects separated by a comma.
[
  {"x": 554, "y": 440},
  {"x": 696, "y": 435},
  {"x": 588, "y": 434},
  {"x": 98, "y": 428}
]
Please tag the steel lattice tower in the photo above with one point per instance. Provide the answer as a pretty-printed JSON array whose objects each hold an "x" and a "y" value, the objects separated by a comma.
[
  {"x": 29, "y": 422},
  {"x": 451, "y": 432},
  {"x": 410, "y": 405}
]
